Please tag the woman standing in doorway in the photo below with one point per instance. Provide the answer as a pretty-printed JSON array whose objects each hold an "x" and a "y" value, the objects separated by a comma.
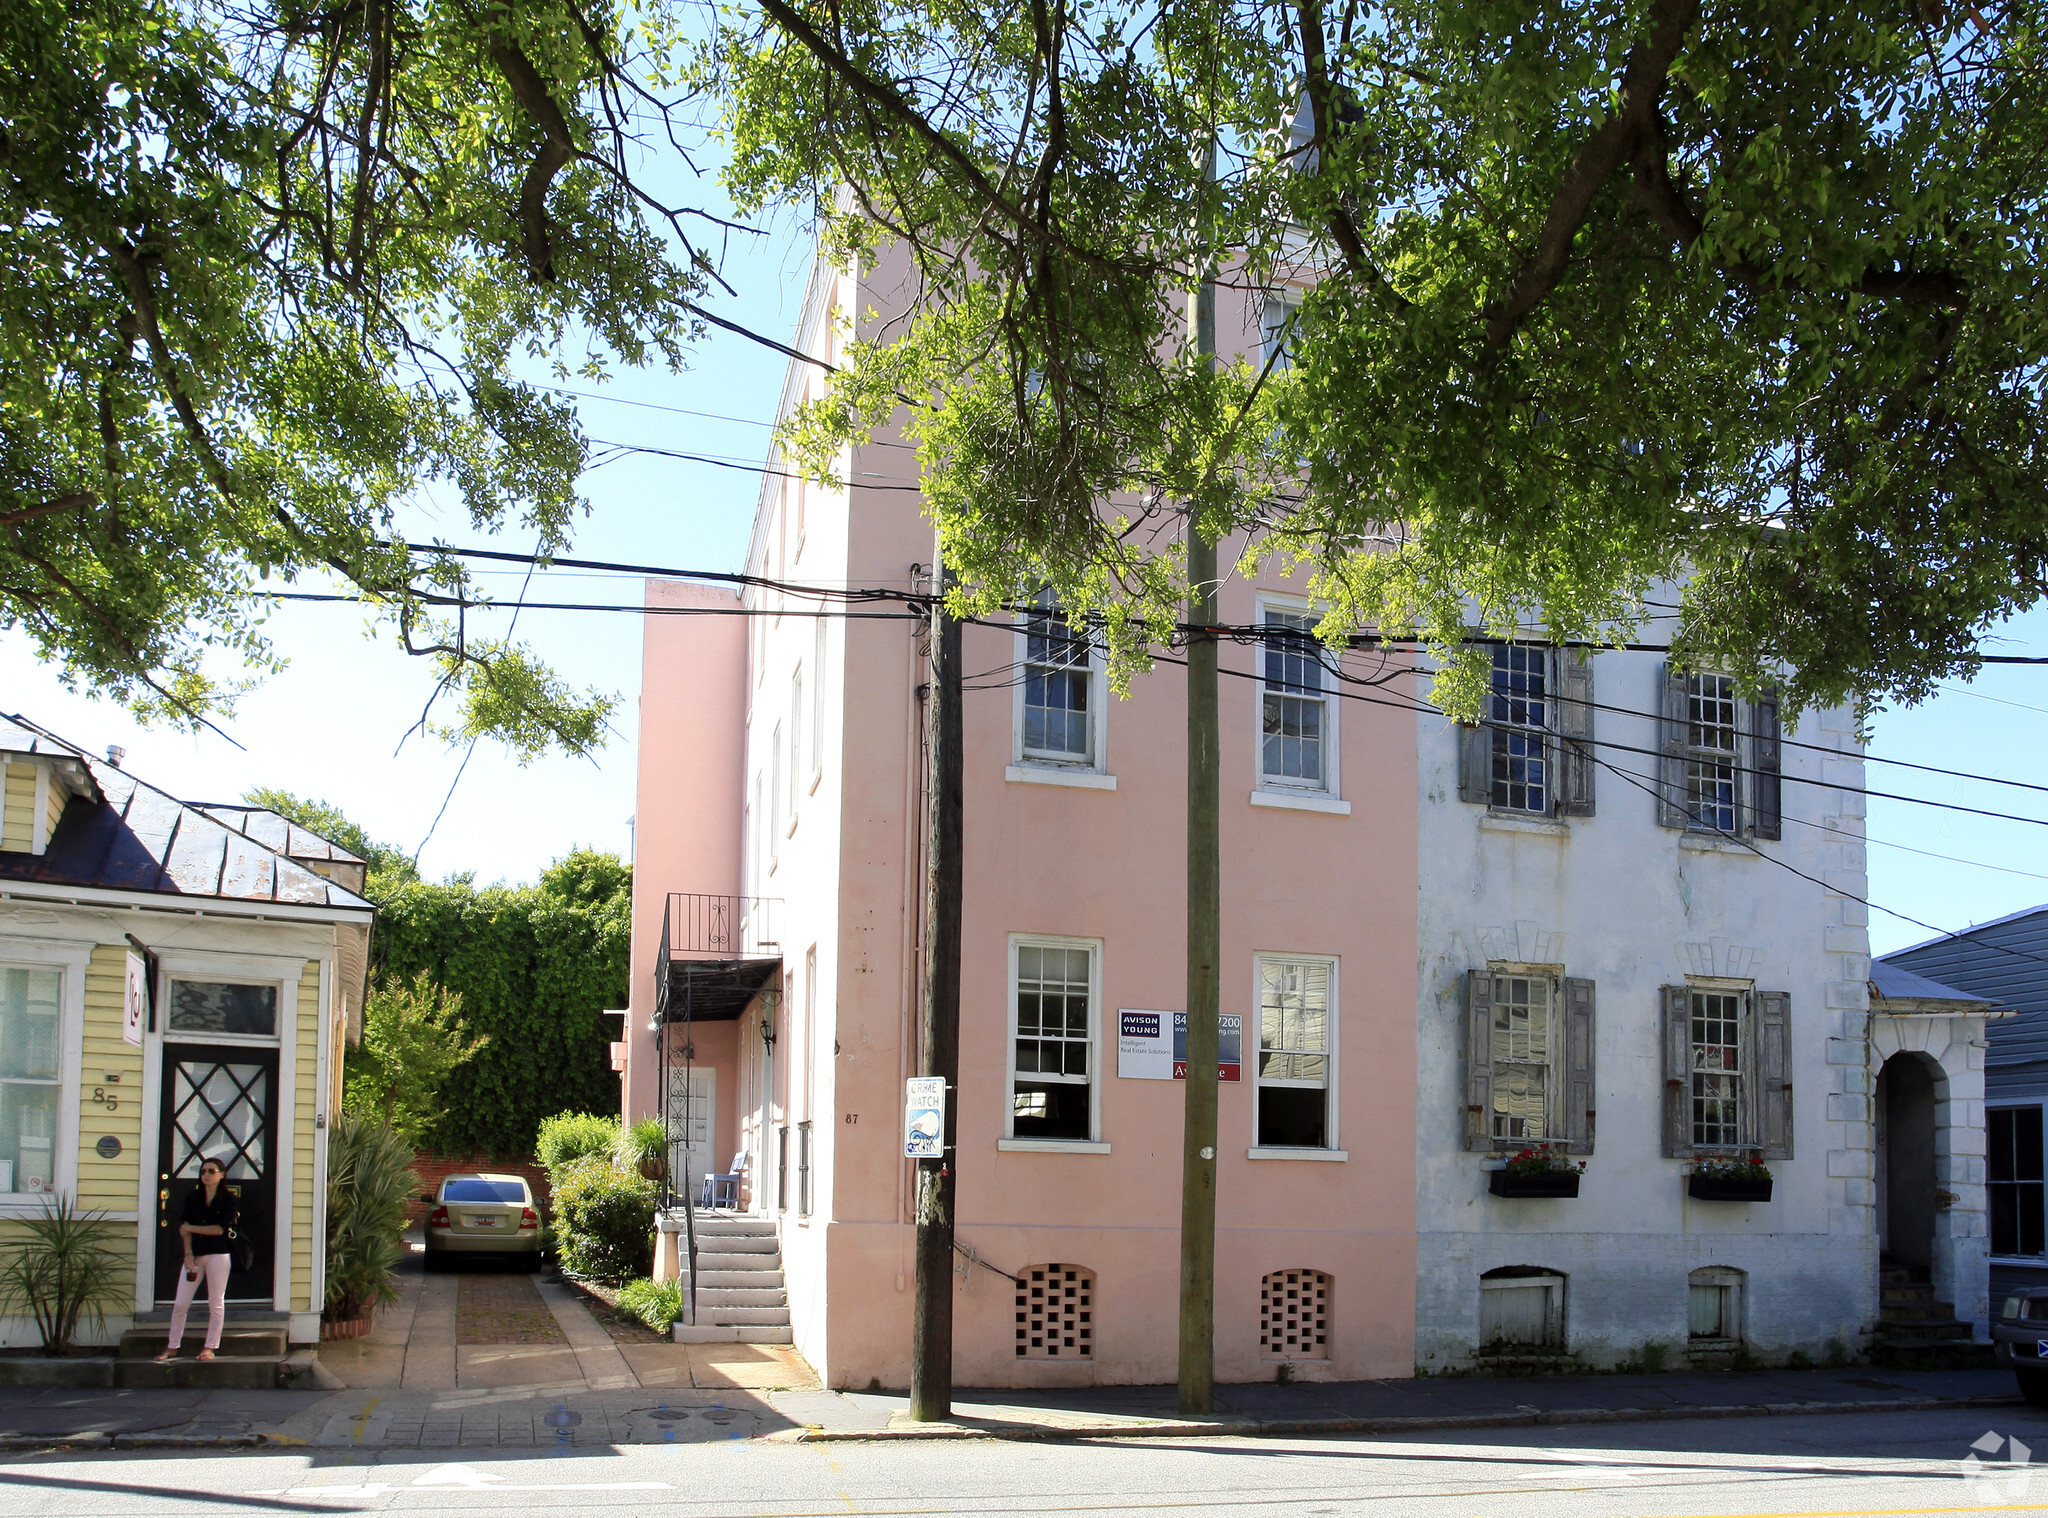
[{"x": 207, "y": 1234}]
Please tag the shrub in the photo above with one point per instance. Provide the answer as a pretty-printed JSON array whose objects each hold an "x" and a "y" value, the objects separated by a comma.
[
  {"x": 604, "y": 1220},
  {"x": 571, "y": 1136},
  {"x": 641, "y": 1146},
  {"x": 656, "y": 1303},
  {"x": 369, "y": 1183},
  {"x": 414, "y": 1038},
  {"x": 64, "y": 1270}
]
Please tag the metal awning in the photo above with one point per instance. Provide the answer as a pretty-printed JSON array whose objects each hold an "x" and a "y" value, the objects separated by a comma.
[{"x": 714, "y": 990}]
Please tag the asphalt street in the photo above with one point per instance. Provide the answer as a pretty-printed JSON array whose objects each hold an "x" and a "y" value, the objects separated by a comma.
[{"x": 1961, "y": 1461}]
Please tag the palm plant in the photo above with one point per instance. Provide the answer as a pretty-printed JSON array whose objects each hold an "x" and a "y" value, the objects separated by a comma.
[
  {"x": 63, "y": 1270},
  {"x": 369, "y": 1182}
]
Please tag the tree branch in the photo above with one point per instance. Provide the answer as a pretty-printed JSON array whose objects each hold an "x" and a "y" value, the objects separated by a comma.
[
  {"x": 532, "y": 93},
  {"x": 71, "y": 502}
]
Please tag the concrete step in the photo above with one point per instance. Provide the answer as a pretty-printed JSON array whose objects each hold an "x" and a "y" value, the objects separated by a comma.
[
  {"x": 1910, "y": 1335},
  {"x": 1916, "y": 1312},
  {"x": 707, "y": 1261},
  {"x": 725, "y": 1225},
  {"x": 736, "y": 1243},
  {"x": 732, "y": 1333},
  {"x": 240, "y": 1340},
  {"x": 1903, "y": 1295},
  {"x": 777, "y": 1317},
  {"x": 714, "y": 1280},
  {"x": 739, "y": 1296}
]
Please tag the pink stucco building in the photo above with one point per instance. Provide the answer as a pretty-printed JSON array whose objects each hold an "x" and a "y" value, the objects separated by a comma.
[{"x": 781, "y": 768}]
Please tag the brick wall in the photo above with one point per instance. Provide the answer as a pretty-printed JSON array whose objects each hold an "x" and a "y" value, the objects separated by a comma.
[{"x": 432, "y": 1169}]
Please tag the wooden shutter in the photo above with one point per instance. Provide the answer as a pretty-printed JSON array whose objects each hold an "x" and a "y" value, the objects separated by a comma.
[
  {"x": 1575, "y": 732},
  {"x": 1577, "y": 1117},
  {"x": 1671, "y": 764},
  {"x": 1766, "y": 815},
  {"x": 1478, "y": 1058},
  {"x": 1677, "y": 1030},
  {"x": 1475, "y": 762},
  {"x": 1773, "y": 1045}
]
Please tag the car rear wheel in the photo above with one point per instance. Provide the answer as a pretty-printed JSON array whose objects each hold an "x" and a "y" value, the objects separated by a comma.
[
  {"x": 530, "y": 1261},
  {"x": 2033, "y": 1386},
  {"x": 432, "y": 1263}
]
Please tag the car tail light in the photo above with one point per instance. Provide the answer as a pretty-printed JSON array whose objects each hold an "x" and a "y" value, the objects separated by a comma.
[
  {"x": 438, "y": 1218},
  {"x": 528, "y": 1218}
]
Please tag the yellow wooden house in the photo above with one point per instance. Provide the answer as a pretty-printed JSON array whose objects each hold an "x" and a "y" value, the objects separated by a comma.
[{"x": 177, "y": 981}]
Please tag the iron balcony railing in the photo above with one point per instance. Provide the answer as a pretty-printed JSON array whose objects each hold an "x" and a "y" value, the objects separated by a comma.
[{"x": 696, "y": 926}]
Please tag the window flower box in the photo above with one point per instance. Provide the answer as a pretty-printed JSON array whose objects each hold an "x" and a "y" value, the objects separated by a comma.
[
  {"x": 1537, "y": 1172},
  {"x": 1540, "y": 1183},
  {"x": 1729, "y": 1180}
]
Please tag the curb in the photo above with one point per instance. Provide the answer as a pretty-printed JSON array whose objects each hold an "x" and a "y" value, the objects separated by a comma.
[
  {"x": 1278, "y": 1428},
  {"x": 95, "y": 1440}
]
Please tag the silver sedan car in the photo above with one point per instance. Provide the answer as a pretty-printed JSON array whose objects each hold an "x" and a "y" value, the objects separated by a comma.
[
  {"x": 2019, "y": 1337},
  {"x": 483, "y": 1214}
]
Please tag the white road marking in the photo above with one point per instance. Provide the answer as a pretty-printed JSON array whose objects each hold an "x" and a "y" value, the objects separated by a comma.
[{"x": 468, "y": 1478}]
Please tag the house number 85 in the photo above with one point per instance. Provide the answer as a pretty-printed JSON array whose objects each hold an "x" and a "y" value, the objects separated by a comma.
[{"x": 111, "y": 1103}]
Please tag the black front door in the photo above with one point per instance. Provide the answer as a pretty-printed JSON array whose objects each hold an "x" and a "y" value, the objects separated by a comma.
[{"x": 219, "y": 1103}]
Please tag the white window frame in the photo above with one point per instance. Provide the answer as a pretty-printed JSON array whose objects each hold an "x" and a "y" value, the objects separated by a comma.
[
  {"x": 774, "y": 797},
  {"x": 1547, "y": 734},
  {"x": 1275, "y": 307},
  {"x": 1739, "y": 758},
  {"x": 70, "y": 962},
  {"x": 1093, "y": 1143},
  {"x": 796, "y": 744},
  {"x": 1330, "y": 787},
  {"x": 1554, "y": 1036},
  {"x": 1095, "y": 761},
  {"x": 1332, "y": 1146},
  {"x": 2015, "y": 1106},
  {"x": 818, "y": 702},
  {"x": 1746, "y": 1119}
]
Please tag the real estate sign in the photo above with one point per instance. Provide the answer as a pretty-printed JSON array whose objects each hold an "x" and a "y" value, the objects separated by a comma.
[{"x": 1153, "y": 1046}]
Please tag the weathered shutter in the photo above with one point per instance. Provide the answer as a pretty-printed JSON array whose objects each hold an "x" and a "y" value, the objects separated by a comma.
[
  {"x": 1671, "y": 763},
  {"x": 1677, "y": 1031},
  {"x": 1475, "y": 763},
  {"x": 1478, "y": 1058},
  {"x": 1578, "y": 1066},
  {"x": 1773, "y": 1045},
  {"x": 1766, "y": 816},
  {"x": 1575, "y": 731}
]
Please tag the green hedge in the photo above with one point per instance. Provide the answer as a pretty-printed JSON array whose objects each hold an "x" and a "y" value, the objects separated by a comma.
[
  {"x": 571, "y": 1136},
  {"x": 536, "y": 966},
  {"x": 604, "y": 1221}
]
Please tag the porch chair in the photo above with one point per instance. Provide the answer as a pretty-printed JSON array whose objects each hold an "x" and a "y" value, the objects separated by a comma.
[{"x": 724, "y": 1190}]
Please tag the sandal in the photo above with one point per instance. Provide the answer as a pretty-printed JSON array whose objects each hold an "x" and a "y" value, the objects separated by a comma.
[
  {"x": 205, "y": 1354},
  {"x": 169, "y": 1354}
]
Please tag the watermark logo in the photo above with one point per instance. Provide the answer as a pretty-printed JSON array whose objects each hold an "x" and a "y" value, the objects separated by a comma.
[{"x": 1997, "y": 1469}]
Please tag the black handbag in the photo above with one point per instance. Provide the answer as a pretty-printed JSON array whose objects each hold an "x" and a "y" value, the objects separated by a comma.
[{"x": 241, "y": 1251}]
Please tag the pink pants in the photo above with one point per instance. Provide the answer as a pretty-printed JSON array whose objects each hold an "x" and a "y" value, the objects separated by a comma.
[{"x": 213, "y": 1270}]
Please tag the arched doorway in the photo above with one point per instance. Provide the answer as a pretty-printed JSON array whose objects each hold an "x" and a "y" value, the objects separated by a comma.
[{"x": 1905, "y": 1165}]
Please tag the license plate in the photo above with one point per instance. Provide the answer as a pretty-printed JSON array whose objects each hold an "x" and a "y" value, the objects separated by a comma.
[{"x": 483, "y": 1222}]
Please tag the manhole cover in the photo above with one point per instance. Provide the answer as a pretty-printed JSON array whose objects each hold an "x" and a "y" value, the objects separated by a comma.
[{"x": 561, "y": 1417}]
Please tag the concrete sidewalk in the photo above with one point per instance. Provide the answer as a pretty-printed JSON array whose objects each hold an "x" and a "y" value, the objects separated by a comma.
[{"x": 578, "y": 1414}]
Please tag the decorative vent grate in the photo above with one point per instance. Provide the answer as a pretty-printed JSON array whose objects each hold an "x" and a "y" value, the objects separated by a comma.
[
  {"x": 1056, "y": 1313},
  {"x": 1294, "y": 1315}
]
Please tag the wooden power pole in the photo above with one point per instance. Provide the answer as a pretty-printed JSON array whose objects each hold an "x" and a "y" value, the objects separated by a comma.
[
  {"x": 1205, "y": 932},
  {"x": 931, "y": 1355}
]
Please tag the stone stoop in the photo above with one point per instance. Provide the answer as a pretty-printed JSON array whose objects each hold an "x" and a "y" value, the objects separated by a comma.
[{"x": 740, "y": 1295}]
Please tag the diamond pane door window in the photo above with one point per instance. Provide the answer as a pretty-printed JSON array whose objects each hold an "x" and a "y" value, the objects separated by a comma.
[
  {"x": 29, "y": 1023},
  {"x": 219, "y": 1104}
]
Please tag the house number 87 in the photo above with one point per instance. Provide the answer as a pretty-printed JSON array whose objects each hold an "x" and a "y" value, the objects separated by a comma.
[{"x": 111, "y": 1103}]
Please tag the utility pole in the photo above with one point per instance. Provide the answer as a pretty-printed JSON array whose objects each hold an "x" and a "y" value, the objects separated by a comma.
[
  {"x": 1205, "y": 933},
  {"x": 931, "y": 1313}
]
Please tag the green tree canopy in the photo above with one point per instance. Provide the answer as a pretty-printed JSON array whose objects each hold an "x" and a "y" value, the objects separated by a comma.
[
  {"x": 1591, "y": 295},
  {"x": 414, "y": 1038},
  {"x": 273, "y": 269}
]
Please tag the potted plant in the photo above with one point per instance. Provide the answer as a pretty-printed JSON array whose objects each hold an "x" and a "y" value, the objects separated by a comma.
[
  {"x": 1726, "y": 1178},
  {"x": 642, "y": 1146},
  {"x": 1538, "y": 1171}
]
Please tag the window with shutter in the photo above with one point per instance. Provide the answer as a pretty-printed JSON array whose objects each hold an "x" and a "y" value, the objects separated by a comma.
[
  {"x": 1532, "y": 751},
  {"x": 1727, "y": 1071},
  {"x": 1719, "y": 764},
  {"x": 1529, "y": 1058}
]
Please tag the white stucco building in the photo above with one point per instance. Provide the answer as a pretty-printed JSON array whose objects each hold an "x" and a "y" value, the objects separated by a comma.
[{"x": 1643, "y": 937}]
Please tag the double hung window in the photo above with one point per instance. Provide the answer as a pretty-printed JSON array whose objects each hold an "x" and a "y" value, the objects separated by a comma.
[
  {"x": 1719, "y": 771},
  {"x": 1297, "y": 735},
  {"x": 2013, "y": 1180},
  {"x": 1278, "y": 326},
  {"x": 1057, "y": 713},
  {"x": 1297, "y": 1035},
  {"x": 1520, "y": 779},
  {"x": 1522, "y": 1043},
  {"x": 1052, "y": 1067},
  {"x": 1531, "y": 752},
  {"x": 31, "y": 1024},
  {"x": 1727, "y": 1071}
]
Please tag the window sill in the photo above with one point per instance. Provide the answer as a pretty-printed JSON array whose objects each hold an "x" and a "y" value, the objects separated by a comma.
[
  {"x": 1258, "y": 1153},
  {"x": 2028, "y": 1261},
  {"x": 1302, "y": 801},
  {"x": 1051, "y": 1146},
  {"x": 1086, "y": 780},
  {"x": 1540, "y": 827},
  {"x": 1707, "y": 843}
]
